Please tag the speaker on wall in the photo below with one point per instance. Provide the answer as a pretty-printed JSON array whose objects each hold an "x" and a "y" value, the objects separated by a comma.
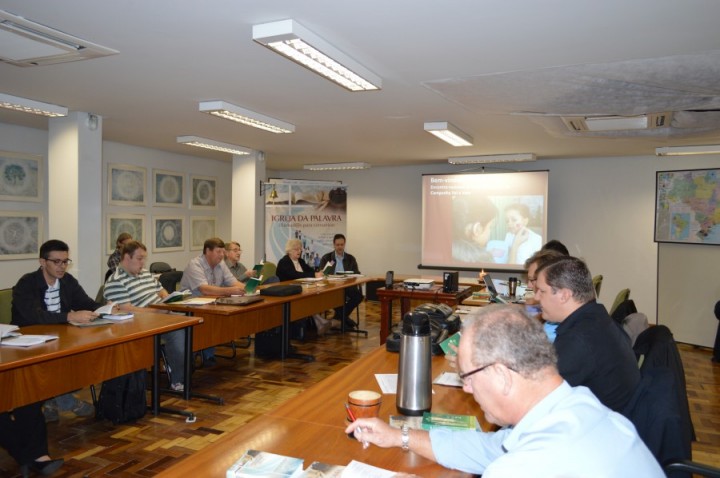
[{"x": 450, "y": 281}]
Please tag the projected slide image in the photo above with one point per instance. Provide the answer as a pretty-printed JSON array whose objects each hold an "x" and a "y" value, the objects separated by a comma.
[{"x": 494, "y": 221}]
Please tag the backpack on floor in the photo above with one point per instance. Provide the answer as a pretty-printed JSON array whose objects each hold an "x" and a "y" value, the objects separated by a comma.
[{"x": 123, "y": 399}]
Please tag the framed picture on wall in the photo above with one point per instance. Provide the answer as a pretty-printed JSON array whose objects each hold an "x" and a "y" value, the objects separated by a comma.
[
  {"x": 20, "y": 235},
  {"x": 204, "y": 192},
  {"x": 133, "y": 224},
  {"x": 126, "y": 185},
  {"x": 20, "y": 177},
  {"x": 169, "y": 188},
  {"x": 167, "y": 234},
  {"x": 201, "y": 229},
  {"x": 687, "y": 209}
]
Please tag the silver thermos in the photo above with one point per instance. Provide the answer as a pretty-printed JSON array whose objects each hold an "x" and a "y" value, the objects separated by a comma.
[{"x": 414, "y": 388}]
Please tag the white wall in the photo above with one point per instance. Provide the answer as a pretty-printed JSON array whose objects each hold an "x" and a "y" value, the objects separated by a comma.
[{"x": 601, "y": 208}]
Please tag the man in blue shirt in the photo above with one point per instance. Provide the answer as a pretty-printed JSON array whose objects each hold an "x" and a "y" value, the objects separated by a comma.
[{"x": 549, "y": 428}]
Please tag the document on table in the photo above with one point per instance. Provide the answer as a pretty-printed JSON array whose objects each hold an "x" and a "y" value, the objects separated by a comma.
[
  {"x": 198, "y": 301},
  {"x": 450, "y": 379},
  {"x": 387, "y": 382},
  {"x": 356, "y": 469}
]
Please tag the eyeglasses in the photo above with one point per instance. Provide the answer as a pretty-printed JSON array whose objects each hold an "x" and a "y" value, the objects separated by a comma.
[
  {"x": 466, "y": 375},
  {"x": 58, "y": 262},
  {"x": 235, "y": 250}
]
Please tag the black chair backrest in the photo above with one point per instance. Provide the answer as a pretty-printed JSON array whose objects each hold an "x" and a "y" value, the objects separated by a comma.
[
  {"x": 659, "y": 408},
  {"x": 160, "y": 267},
  {"x": 170, "y": 279}
]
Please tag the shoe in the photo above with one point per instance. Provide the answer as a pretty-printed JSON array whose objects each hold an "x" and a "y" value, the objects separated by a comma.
[
  {"x": 350, "y": 324},
  {"x": 45, "y": 468},
  {"x": 177, "y": 387},
  {"x": 209, "y": 362},
  {"x": 51, "y": 414},
  {"x": 83, "y": 409}
]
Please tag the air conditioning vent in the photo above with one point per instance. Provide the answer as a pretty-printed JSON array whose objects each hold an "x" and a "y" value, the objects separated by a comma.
[
  {"x": 617, "y": 123},
  {"x": 27, "y": 43}
]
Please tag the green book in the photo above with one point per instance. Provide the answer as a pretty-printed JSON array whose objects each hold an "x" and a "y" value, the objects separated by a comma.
[
  {"x": 454, "y": 339},
  {"x": 258, "y": 268},
  {"x": 447, "y": 420},
  {"x": 251, "y": 284}
]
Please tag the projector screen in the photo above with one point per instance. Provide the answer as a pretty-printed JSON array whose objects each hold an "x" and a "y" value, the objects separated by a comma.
[{"x": 477, "y": 221}]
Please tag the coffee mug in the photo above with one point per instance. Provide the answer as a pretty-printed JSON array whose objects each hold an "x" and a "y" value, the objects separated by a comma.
[{"x": 363, "y": 404}]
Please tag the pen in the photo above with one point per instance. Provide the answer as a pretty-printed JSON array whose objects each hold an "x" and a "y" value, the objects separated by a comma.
[{"x": 351, "y": 415}]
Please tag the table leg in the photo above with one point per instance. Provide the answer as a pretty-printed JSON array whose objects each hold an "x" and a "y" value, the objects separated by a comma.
[{"x": 385, "y": 318}]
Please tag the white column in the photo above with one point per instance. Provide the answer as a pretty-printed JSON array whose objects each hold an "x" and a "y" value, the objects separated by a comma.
[
  {"x": 248, "y": 219},
  {"x": 75, "y": 193}
]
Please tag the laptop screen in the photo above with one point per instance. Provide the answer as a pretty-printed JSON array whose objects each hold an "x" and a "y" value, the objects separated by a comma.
[{"x": 490, "y": 285}]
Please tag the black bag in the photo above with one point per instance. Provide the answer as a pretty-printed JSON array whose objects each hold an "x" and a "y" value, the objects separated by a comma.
[
  {"x": 443, "y": 324},
  {"x": 268, "y": 342},
  {"x": 123, "y": 399},
  {"x": 282, "y": 290}
]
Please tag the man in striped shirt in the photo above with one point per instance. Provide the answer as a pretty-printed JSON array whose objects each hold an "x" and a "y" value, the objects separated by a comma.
[{"x": 133, "y": 288}]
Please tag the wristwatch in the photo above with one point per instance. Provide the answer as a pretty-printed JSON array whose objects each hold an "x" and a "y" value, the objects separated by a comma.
[{"x": 405, "y": 437}]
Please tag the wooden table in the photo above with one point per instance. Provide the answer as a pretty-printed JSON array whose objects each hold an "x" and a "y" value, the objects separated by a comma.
[
  {"x": 311, "y": 426},
  {"x": 224, "y": 323},
  {"x": 433, "y": 294},
  {"x": 82, "y": 356}
]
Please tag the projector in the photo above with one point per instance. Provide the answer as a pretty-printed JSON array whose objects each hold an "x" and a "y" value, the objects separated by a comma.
[{"x": 418, "y": 283}]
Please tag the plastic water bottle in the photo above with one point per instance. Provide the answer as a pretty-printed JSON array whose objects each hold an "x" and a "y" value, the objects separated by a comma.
[{"x": 414, "y": 392}]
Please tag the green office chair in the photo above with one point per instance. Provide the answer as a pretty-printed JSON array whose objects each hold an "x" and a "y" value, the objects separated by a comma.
[
  {"x": 597, "y": 284},
  {"x": 5, "y": 306},
  {"x": 622, "y": 296},
  {"x": 268, "y": 270}
]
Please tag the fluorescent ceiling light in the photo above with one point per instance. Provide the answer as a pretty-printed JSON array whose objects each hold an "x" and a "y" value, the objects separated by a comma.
[
  {"x": 241, "y": 115},
  {"x": 31, "y": 106},
  {"x": 214, "y": 145},
  {"x": 449, "y": 133},
  {"x": 331, "y": 166},
  {"x": 493, "y": 158},
  {"x": 292, "y": 40},
  {"x": 688, "y": 150}
]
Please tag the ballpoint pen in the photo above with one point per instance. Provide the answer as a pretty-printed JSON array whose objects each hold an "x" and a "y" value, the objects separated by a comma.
[{"x": 352, "y": 418}]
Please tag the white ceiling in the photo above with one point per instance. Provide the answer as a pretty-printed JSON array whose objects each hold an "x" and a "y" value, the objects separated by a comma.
[{"x": 498, "y": 69}]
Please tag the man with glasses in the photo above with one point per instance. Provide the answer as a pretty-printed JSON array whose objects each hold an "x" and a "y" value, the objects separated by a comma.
[
  {"x": 342, "y": 262},
  {"x": 593, "y": 350},
  {"x": 548, "y": 428},
  {"x": 51, "y": 295},
  {"x": 233, "y": 251}
]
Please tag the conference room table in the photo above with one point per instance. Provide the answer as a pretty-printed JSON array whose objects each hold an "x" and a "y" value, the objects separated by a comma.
[
  {"x": 311, "y": 425},
  {"x": 224, "y": 323},
  {"x": 407, "y": 294},
  {"x": 82, "y": 356}
]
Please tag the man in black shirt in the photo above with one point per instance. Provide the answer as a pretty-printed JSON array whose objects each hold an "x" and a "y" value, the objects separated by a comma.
[
  {"x": 592, "y": 349},
  {"x": 343, "y": 262}
]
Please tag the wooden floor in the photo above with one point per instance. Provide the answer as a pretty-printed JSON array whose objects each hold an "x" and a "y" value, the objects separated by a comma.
[{"x": 251, "y": 386}]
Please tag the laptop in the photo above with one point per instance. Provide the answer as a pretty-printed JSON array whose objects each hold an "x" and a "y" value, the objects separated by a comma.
[
  {"x": 241, "y": 300},
  {"x": 503, "y": 299}
]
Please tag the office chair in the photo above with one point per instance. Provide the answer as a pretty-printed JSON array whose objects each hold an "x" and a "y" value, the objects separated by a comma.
[
  {"x": 597, "y": 284},
  {"x": 5, "y": 306},
  {"x": 160, "y": 267},
  {"x": 621, "y": 297},
  {"x": 268, "y": 272},
  {"x": 691, "y": 467},
  {"x": 170, "y": 280},
  {"x": 659, "y": 408}
]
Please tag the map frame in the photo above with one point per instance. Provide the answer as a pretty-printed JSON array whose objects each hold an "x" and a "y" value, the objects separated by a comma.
[{"x": 687, "y": 206}]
